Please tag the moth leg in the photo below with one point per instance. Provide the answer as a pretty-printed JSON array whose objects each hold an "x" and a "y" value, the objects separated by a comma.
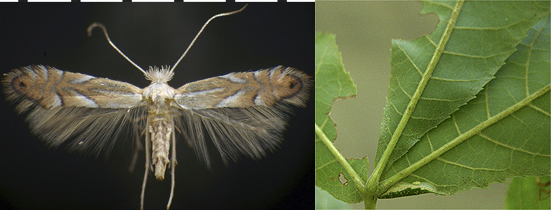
[
  {"x": 172, "y": 166},
  {"x": 147, "y": 165},
  {"x": 174, "y": 161},
  {"x": 139, "y": 147}
]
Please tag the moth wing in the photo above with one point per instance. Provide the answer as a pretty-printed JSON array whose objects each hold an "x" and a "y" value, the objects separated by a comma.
[
  {"x": 244, "y": 113},
  {"x": 83, "y": 111}
]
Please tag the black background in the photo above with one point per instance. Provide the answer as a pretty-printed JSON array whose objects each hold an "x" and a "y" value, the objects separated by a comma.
[{"x": 33, "y": 176}]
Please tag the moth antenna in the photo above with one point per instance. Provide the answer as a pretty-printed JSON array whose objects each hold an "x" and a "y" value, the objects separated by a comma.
[
  {"x": 200, "y": 31},
  {"x": 96, "y": 24}
]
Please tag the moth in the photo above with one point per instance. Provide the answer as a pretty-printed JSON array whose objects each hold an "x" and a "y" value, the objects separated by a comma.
[{"x": 244, "y": 113}]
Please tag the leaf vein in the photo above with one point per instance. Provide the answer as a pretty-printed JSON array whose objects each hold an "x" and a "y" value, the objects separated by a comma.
[
  {"x": 457, "y": 80},
  {"x": 411, "y": 61},
  {"x": 443, "y": 99},
  {"x": 326, "y": 164},
  {"x": 487, "y": 103},
  {"x": 403, "y": 90},
  {"x": 510, "y": 147},
  {"x": 467, "y": 167},
  {"x": 397, "y": 112},
  {"x": 430, "y": 40},
  {"x": 430, "y": 144},
  {"x": 540, "y": 110},
  {"x": 456, "y": 125},
  {"x": 527, "y": 63},
  {"x": 474, "y": 56},
  {"x": 507, "y": 27}
]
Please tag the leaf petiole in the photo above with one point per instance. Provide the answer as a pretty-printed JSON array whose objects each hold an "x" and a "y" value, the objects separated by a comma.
[{"x": 358, "y": 182}]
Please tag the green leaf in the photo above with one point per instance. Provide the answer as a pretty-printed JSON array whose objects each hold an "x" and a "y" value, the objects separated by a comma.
[
  {"x": 432, "y": 76},
  {"x": 502, "y": 133},
  {"x": 335, "y": 174},
  {"x": 528, "y": 193},
  {"x": 332, "y": 81}
]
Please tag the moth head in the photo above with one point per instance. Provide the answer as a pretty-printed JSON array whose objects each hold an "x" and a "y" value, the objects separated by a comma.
[{"x": 156, "y": 75}]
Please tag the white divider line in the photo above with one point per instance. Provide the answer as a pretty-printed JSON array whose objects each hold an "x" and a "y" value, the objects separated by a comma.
[
  {"x": 239, "y": 1},
  {"x": 152, "y": 0},
  {"x": 49, "y": 0},
  {"x": 253, "y": 1},
  {"x": 204, "y": 0},
  {"x": 100, "y": 0}
]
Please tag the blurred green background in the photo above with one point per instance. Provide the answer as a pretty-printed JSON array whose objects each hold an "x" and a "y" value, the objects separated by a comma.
[{"x": 364, "y": 31}]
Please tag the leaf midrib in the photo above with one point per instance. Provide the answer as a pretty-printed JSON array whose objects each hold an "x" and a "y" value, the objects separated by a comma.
[
  {"x": 374, "y": 179},
  {"x": 461, "y": 138}
]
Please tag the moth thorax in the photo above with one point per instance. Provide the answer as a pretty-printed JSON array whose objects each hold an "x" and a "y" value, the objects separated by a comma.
[{"x": 158, "y": 93}]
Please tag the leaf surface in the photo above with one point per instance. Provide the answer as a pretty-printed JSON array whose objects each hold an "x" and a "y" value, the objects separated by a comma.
[
  {"x": 528, "y": 193},
  {"x": 502, "y": 133},
  {"x": 334, "y": 173},
  {"x": 434, "y": 75},
  {"x": 332, "y": 81}
]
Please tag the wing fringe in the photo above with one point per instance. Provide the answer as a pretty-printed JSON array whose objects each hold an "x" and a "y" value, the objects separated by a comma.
[{"x": 86, "y": 130}]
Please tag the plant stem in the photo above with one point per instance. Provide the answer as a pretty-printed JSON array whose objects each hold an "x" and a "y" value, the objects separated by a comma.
[
  {"x": 359, "y": 183},
  {"x": 370, "y": 201}
]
